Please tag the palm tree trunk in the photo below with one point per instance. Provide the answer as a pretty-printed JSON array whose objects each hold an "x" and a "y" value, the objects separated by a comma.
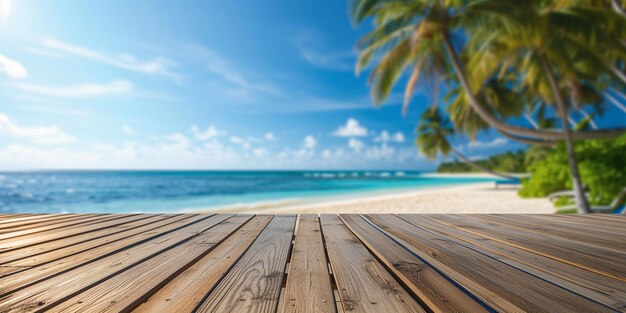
[
  {"x": 618, "y": 8},
  {"x": 478, "y": 166},
  {"x": 579, "y": 191},
  {"x": 548, "y": 135}
]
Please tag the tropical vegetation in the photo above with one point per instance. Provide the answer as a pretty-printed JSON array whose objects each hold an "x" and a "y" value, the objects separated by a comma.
[
  {"x": 499, "y": 62},
  {"x": 508, "y": 162}
]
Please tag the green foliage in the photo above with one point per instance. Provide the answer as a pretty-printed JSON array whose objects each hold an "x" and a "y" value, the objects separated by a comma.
[
  {"x": 602, "y": 165},
  {"x": 509, "y": 162}
]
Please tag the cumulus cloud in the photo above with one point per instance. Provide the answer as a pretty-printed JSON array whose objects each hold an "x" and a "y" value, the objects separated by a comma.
[
  {"x": 80, "y": 91},
  {"x": 50, "y": 135},
  {"x": 11, "y": 67},
  {"x": 351, "y": 129},
  {"x": 385, "y": 136},
  {"x": 210, "y": 132},
  {"x": 356, "y": 144},
  {"x": 158, "y": 66},
  {"x": 269, "y": 136},
  {"x": 310, "y": 142}
]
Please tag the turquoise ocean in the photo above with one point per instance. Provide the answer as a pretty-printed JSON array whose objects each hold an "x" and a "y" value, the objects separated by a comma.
[{"x": 184, "y": 191}]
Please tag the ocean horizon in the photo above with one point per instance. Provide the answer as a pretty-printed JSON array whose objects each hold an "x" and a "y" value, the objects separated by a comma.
[{"x": 177, "y": 191}]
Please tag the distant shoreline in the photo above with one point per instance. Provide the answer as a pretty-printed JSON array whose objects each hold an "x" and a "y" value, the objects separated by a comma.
[{"x": 457, "y": 198}]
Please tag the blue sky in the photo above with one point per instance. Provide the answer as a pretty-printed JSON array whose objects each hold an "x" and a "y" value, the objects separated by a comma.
[{"x": 200, "y": 84}]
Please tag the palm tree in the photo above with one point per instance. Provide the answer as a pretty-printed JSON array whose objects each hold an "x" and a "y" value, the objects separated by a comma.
[
  {"x": 433, "y": 132},
  {"x": 498, "y": 39}
]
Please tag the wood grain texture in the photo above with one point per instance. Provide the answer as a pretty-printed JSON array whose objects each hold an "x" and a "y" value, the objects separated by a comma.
[
  {"x": 509, "y": 289},
  {"x": 60, "y": 241},
  {"x": 435, "y": 291},
  {"x": 580, "y": 281},
  {"x": 151, "y": 274},
  {"x": 362, "y": 263},
  {"x": 49, "y": 292},
  {"x": 308, "y": 283},
  {"x": 39, "y": 231},
  {"x": 614, "y": 241},
  {"x": 185, "y": 292},
  {"x": 254, "y": 283},
  {"x": 363, "y": 284},
  {"x": 49, "y": 264},
  {"x": 608, "y": 262}
]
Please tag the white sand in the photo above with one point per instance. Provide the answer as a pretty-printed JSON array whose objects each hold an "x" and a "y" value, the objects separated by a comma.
[{"x": 474, "y": 198}]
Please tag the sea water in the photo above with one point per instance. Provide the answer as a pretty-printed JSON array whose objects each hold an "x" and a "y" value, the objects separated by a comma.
[{"x": 184, "y": 191}]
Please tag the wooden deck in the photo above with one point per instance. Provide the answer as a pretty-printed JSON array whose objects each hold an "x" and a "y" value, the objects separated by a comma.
[{"x": 331, "y": 263}]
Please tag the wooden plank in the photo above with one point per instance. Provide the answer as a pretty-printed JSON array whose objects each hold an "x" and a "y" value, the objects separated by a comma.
[
  {"x": 609, "y": 292},
  {"x": 597, "y": 259},
  {"x": 41, "y": 253},
  {"x": 308, "y": 283},
  {"x": 435, "y": 291},
  {"x": 44, "y": 230},
  {"x": 52, "y": 291},
  {"x": 33, "y": 222},
  {"x": 31, "y": 218},
  {"x": 584, "y": 222},
  {"x": 185, "y": 291},
  {"x": 502, "y": 287},
  {"x": 118, "y": 295},
  {"x": 363, "y": 284},
  {"x": 561, "y": 230},
  {"x": 50, "y": 221},
  {"x": 254, "y": 283},
  {"x": 66, "y": 263}
]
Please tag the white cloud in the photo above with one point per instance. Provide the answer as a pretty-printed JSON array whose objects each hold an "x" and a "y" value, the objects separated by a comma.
[
  {"x": 5, "y": 8},
  {"x": 11, "y": 67},
  {"x": 78, "y": 91},
  {"x": 356, "y": 144},
  {"x": 158, "y": 66},
  {"x": 385, "y": 136},
  {"x": 50, "y": 135},
  {"x": 128, "y": 130},
  {"x": 210, "y": 132},
  {"x": 351, "y": 129},
  {"x": 310, "y": 142},
  {"x": 497, "y": 142},
  {"x": 269, "y": 136}
]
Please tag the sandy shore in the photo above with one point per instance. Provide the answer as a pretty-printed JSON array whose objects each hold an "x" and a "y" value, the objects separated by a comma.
[{"x": 474, "y": 198}]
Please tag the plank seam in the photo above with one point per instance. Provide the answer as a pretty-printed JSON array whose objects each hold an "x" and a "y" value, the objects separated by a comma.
[
  {"x": 333, "y": 282},
  {"x": 101, "y": 257},
  {"x": 208, "y": 293},
  {"x": 133, "y": 305},
  {"x": 400, "y": 281},
  {"x": 514, "y": 267},
  {"x": 447, "y": 277}
]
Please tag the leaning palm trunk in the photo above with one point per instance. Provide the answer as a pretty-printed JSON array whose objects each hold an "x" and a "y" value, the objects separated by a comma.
[
  {"x": 579, "y": 192},
  {"x": 581, "y": 199},
  {"x": 540, "y": 135},
  {"x": 478, "y": 166}
]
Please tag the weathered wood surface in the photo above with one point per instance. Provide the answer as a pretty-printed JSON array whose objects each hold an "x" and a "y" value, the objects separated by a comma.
[{"x": 310, "y": 263}]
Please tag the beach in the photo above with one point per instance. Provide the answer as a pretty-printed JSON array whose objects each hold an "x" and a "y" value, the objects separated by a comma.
[{"x": 477, "y": 198}]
